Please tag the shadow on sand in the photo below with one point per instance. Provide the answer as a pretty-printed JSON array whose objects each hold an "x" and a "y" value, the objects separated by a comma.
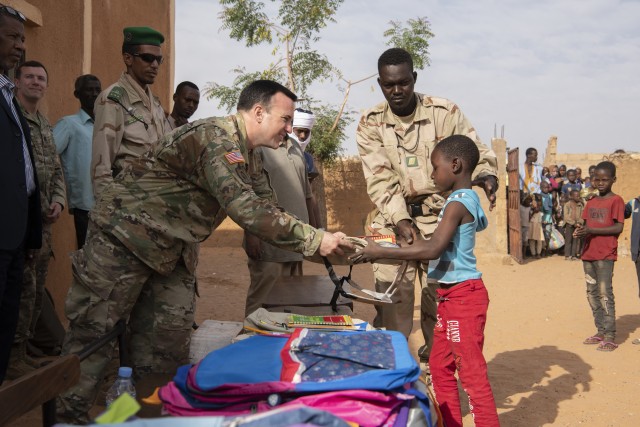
[
  {"x": 625, "y": 326},
  {"x": 530, "y": 384}
]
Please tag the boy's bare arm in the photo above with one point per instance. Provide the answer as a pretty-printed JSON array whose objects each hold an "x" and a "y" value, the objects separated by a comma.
[
  {"x": 421, "y": 250},
  {"x": 612, "y": 230}
]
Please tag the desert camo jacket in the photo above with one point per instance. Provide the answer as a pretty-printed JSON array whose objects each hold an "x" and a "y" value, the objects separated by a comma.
[
  {"x": 128, "y": 121},
  {"x": 397, "y": 165},
  {"x": 183, "y": 188}
]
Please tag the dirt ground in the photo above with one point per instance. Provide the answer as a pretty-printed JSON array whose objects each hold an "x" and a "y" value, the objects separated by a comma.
[{"x": 540, "y": 371}]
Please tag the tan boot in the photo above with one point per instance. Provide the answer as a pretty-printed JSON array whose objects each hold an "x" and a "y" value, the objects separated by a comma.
[{"x": 18, "y": 364}]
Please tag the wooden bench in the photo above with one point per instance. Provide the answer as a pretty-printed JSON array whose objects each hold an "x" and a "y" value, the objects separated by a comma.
[
  {"x": 309, "y": 295},
  {"x": 40, "y": 387}
]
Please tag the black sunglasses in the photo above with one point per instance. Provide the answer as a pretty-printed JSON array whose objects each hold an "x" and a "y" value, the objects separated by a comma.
[
  {"x": 8, "y": 10},
  {"x": 149, "y": 57}
]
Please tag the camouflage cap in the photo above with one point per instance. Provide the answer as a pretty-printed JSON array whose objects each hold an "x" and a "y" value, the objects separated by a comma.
[{"x": 142, "y": 35}]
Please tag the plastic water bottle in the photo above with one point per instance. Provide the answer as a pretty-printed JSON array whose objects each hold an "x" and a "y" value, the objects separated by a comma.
[{"x": 123, "y": 384}]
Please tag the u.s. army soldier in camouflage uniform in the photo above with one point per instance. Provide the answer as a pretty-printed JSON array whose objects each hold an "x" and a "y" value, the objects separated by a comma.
[
  {"x": 395, "y": 139},
  {"x": 175, "y": 196},
  {"x": 31, "y": 85}
]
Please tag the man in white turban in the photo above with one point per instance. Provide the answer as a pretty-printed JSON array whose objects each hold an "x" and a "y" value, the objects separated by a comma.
[
  {"x": 288, "y": 176},
  {"x": 303, "y": 121}
]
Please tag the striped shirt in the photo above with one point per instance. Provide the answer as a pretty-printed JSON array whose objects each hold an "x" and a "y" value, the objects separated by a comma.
[{"x": 6, "y": 87}]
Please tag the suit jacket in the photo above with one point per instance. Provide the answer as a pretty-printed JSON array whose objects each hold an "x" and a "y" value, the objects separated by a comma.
[{"x": 20, "y": 216}]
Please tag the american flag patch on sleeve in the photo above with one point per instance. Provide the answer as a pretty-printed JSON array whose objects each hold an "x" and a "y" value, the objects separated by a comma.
[{"x": 234, "y": 157}]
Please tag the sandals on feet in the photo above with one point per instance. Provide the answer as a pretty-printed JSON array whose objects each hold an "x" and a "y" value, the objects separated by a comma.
[
  {"x": 607, "y": 346},
  {"x": 596, "y": 339}
]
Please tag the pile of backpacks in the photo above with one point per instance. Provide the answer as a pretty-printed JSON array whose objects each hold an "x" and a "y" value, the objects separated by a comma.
[{"x": 366, "y": 378}]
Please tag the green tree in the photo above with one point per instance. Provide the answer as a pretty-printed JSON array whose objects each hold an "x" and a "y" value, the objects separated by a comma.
[
  {"x": 292, "y": 30},
  {"x": 414, "y": 38}
]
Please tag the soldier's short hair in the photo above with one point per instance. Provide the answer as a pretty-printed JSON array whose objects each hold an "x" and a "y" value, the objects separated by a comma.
[
  {"x": 395, "y": 56},
  {"x": 607, "y": 166},
  {"x": 186, "y": 84},
  {"x": 83, "y": 79},
  {"x": 460, "y": 146},
  {"x": 260, "y": 92},
  {"x": 35, "y": 64},
  {"x": 131, "y": 49}
]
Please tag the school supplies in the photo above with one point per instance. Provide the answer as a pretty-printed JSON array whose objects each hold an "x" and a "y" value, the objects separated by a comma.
[{"x": 320, "y": 322}]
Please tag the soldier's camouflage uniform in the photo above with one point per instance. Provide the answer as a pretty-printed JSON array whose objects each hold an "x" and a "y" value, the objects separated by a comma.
[
  {"x": 397, "y": 169},
  {"x": 52, "y": 189},
  {"x": 174, "y": 196},
  {"x": 128, "y": 121}
]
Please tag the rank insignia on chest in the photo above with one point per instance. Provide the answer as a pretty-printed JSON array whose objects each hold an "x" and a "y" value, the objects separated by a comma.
[
  {"x": 234, "y": 157},
  {"x": 412, "y": 161}
]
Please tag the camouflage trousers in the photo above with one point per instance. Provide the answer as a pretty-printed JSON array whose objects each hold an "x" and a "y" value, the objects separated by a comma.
[
  {"x": 34, "y": 278},
  {"x": 264, "y": 275},
  {"x": 109, "y": 284},
  {"x": 399, "y": 316}
]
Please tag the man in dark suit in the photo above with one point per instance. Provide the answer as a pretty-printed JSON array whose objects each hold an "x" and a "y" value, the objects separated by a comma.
[{"x": 20, "y": 220}]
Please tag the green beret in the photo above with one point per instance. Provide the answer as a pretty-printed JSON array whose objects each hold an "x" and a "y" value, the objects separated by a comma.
[{"x": 142, "y": 35}]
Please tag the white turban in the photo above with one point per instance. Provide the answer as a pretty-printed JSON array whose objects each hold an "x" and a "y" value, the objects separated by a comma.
[{"x": 305, "y": 120}]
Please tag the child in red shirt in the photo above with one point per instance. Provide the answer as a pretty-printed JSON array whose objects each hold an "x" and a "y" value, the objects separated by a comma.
[{"x": 604, "y": 220}]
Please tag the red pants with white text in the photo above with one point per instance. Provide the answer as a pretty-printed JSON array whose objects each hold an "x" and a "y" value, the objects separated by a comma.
[{"x": 458, "y": 340}]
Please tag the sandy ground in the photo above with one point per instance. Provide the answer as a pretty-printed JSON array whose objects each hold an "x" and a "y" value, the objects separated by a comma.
[{"x": 541, "y": 373}]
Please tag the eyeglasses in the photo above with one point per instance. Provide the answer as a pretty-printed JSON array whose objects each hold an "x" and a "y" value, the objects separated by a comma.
[
  {"x": 7, "y": 10},
  {"x": 149, "y": 57}
]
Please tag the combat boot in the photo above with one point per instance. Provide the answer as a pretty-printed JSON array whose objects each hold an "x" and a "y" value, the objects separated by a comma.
[{"x": 19, "y": 363}]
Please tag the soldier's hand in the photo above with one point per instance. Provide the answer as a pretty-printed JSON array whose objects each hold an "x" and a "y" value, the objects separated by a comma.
[
  {"x": 253, "y": 246},
  {"x": 54, "y": 212},
  {"x": 490, "y": 185},
  {"x": 406, "y": 230},
  {"x": 334, "y": 244}
]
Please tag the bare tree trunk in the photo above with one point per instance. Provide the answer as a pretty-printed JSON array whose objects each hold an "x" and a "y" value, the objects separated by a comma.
[{"x": 317, "y": 186}]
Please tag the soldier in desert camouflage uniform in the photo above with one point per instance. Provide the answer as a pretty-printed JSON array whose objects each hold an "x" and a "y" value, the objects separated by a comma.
[
  {"x": 31, "y": 85},
  {"x": 395, "y": 139},
  {"x": 128, "y": 117},
  {"x": 177, "y": 195}
]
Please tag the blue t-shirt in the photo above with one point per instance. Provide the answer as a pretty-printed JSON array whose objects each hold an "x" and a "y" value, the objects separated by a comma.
[
  {"x": 568, "y": 187},
  {"x": 458, "y": 262}
]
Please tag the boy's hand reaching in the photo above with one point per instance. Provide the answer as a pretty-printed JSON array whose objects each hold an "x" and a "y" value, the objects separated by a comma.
[{"x": 369, "y": 253}]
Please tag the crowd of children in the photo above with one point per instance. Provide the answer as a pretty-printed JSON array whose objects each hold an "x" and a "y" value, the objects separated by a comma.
[{"x": 549, "y": 218}]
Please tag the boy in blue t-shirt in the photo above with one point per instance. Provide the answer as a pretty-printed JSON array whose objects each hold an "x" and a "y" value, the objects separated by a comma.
[
  {"x": 463, "y": 300},
  {"x": 572, "y": 183}
]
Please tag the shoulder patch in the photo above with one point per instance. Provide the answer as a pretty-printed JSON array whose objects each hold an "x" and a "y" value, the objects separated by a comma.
[
  {"x": 116, "y": 94},
  {"x": 234, "y": 157},
  {"x": 438, "y": 102}
]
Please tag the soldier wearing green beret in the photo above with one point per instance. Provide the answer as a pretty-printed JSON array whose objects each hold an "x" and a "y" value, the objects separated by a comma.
[{"x": 129, "y": 118}]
